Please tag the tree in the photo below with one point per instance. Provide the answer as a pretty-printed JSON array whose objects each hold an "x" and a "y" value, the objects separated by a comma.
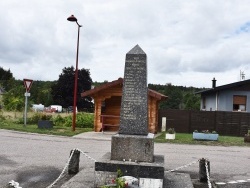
[
  {"x": 6, "y": 79},
  {"x": 63, "y": 89},
  {"x": 179, "y": 97},
  {"x": 14, "y": 99},
  {"x": 192, "y": 101},
  {"x": 174, "y": 100},
  {"x": 41, "y": 92}
]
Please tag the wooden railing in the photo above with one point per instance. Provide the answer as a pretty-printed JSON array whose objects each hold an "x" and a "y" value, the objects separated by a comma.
[{"x": 108, "y": 125}]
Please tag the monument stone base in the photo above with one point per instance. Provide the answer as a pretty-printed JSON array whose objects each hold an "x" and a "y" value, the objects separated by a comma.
[
  {"x": 135, "y": 148},
  {"x": 146, "y": 173}
]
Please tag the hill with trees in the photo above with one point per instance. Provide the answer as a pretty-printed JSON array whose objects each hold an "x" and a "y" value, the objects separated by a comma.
[
  {"x": 60, "y": 92},
  {"x": 179, "y": 97}
]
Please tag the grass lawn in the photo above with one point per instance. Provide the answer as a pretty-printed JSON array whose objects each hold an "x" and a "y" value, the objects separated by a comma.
[
  {"x": 9, "y": 118},
  {"x": 180, "y": 138},
  {"x": 185, "y": 138},
  {"x": 63, "y": 131}
]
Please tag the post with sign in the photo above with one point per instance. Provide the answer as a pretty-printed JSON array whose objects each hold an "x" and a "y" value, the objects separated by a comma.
[{"x": 27, "y": 84}]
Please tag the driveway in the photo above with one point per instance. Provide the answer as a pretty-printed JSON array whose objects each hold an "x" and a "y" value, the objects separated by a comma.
[{"x": 36, "y": 160}]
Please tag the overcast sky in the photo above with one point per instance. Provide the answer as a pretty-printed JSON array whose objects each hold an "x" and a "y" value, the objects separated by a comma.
[{"x": 187, "y": 42}]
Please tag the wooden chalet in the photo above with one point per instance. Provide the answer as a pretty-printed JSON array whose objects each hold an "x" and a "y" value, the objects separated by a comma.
[{"x": 107, "y": 98}]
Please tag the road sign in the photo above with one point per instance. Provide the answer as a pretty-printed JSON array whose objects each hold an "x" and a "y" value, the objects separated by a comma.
[
  {"x": 27, "y": 94},
  {"x": 27, "y": 84}
]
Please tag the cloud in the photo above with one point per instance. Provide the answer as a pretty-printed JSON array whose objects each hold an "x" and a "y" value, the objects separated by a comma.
[{"x": 180, "y": 38}]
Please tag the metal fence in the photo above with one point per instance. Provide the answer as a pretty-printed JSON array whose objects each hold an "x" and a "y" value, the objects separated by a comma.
[{"x": 225, "y": 123}]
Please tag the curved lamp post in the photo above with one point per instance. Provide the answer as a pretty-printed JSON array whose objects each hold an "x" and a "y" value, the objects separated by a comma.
[{"x": 72, "y": 18}]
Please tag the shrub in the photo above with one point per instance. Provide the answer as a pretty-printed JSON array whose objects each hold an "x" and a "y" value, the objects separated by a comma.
[
  {"x": 58, "y": 120},
  {"x": 67, "y": 121},
  {"x": 38, "y": 116},
  {"x": 83, "y": 120},
  {"x": 171, "y": 131},
  {"x": 2, "y": 118},
  {"x": 206, "y": 132},
  {"x": 20, "y": 121},
  {"x": 45, "y": 117},
  {"x": 34, "y": 119}
]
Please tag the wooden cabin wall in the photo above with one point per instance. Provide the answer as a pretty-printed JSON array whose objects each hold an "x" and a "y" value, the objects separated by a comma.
[
  {"x": 97, "y": 118},
  {"x": 112, "y": 97},
  {"x": 152, "y": 115},
  {"x": 112, "y": 107}
]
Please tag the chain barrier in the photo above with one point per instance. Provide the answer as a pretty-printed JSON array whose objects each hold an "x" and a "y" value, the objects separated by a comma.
[
  {"x": 67, "y": 164},
  {"x": 65, "y": 167},
  {"x": 184, "y": 166},
  {"x": 208, "y": 177},
  {"x": 86, "y": 155}
]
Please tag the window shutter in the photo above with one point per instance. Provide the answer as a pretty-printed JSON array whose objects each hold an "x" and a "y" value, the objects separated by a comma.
[{"x": 239, "y": 99}]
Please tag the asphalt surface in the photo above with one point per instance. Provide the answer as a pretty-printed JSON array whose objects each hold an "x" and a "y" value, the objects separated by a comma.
[{"x": 36, "y": 160}]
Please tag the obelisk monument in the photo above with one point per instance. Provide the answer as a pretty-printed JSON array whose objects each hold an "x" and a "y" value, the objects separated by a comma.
[
  {"x": 132, "y": 141},
  {"x": 132, "y": 149},
  {"x": 134, "y": 106}
]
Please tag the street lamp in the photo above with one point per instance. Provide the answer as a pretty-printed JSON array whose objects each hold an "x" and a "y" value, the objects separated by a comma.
[{"x": 72, "y": 18}]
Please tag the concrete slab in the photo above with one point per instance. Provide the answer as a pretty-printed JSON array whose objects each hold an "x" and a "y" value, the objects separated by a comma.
[
  {"x": 177, "y": 180},
  {"x": 99, "y": 135},
  {"x": 96, "y": 135},
  {"x": 85, "y": 179}
]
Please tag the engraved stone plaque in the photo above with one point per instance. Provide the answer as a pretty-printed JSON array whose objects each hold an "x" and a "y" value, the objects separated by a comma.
[{"x": 134, "y": 107}]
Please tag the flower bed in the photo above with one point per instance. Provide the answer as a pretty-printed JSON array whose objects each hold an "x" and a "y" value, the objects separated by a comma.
[
  {"x": 205, "y": 136},
  {"x": 170, "y": 134}
]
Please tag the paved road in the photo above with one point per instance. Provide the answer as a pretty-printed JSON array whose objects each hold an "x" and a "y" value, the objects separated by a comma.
[{"x": 36, "y": 160}]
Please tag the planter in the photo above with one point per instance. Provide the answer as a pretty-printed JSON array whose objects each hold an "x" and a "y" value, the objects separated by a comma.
[
  {"x": 205, "y": 136},
  {"x": 45, "y": 124},
  {"x": 170, "y": 136},
  {"x": 247, "y": 138}
]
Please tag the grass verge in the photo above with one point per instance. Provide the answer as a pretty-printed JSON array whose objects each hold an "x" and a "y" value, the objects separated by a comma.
[
  {"x": 184, "y": 138},
  {"x": 56, "y": 130}
]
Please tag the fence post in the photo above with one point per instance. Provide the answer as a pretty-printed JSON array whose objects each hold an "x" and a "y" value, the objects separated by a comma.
[
  {"x": 189, "y": 122},
  {"x": 202, "y": 170},
  {"x": 215, "y": 121},
  {"x": 73, "y": 167}
]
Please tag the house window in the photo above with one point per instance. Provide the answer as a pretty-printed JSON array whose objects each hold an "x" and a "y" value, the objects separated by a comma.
[{"x": 239, "y": 103}]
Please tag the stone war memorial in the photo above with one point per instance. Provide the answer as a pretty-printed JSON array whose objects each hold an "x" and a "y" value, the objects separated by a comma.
[{"x": 132, "y": 149}]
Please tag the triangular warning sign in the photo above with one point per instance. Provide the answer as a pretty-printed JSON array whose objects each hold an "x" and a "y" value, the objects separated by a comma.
[{"x": 27, "y": 84}]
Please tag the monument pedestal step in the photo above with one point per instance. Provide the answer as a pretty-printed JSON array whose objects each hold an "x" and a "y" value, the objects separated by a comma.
[
  {"x": 86, "y": 178},
  {"x": 135, "y": 148},
  {"x": 106, "y": 169}
]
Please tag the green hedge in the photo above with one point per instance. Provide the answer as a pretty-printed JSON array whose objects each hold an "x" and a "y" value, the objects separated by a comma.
[{"x": 83, "y": 120}]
